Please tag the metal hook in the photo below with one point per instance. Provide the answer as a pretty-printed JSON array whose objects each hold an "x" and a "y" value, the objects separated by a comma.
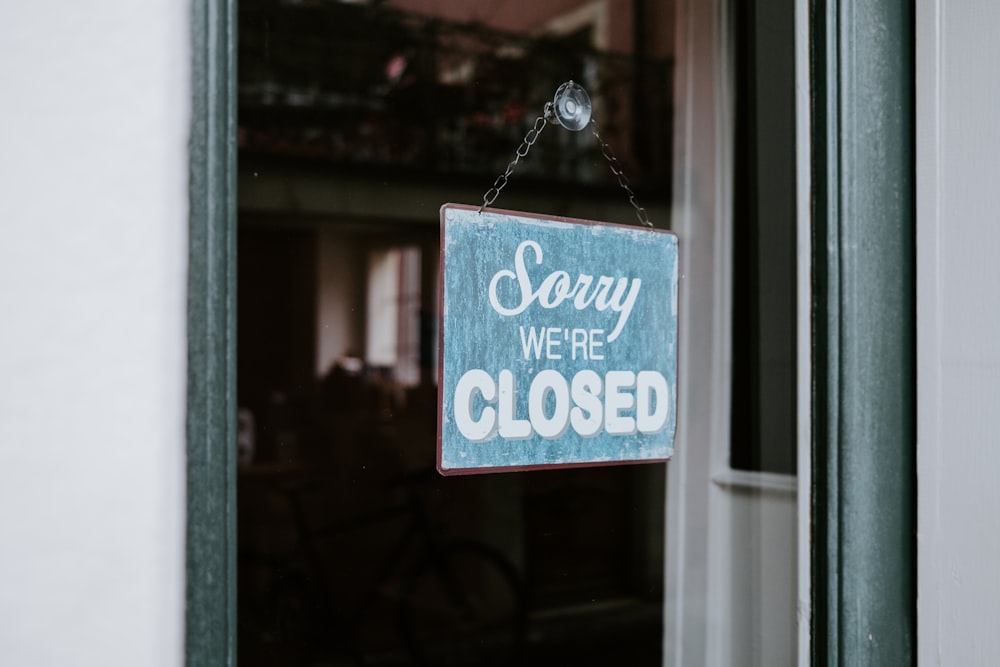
[{"x": 571, "y": 106}]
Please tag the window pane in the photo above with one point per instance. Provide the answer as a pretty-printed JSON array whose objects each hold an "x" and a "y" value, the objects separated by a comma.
[
  {"x": 764, "y": 283},
  {"x": 357, "y": 121}
]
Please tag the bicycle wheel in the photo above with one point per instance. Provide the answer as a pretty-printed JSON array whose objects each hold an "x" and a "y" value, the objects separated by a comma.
[{"x": 465, "y": 606}]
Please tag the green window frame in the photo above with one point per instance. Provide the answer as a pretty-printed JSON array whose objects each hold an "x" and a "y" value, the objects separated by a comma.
[
  {"x": 864, "y": 330},
  {"x": 210, "y": 622},
  {"x": 863, "y": 541}
]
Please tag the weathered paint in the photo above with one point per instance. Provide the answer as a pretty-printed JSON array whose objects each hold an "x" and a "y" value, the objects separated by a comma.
[
  {"x": 863, "y": 334},
  {"x": 210, "y": 632},
  {"x": 502, "y": 328}
]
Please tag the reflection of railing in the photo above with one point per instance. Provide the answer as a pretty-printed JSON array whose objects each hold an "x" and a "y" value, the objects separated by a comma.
[{"x": 364, "y": 85}]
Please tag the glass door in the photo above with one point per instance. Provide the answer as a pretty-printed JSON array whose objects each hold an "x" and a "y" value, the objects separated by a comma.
[{"x": 357, "y": 122}]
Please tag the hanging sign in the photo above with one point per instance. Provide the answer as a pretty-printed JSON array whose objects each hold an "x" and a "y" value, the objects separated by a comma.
[{"x": 558, "y": 342}]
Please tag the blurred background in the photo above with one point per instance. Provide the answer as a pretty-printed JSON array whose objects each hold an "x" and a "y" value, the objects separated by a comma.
[{"x": 357, "y": 121}]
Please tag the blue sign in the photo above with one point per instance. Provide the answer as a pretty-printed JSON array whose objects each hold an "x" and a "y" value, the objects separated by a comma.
[{"x": 559, "y": 342}]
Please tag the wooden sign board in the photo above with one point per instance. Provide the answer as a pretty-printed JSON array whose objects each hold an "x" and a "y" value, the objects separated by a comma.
[{"x": 558, "y": 342}]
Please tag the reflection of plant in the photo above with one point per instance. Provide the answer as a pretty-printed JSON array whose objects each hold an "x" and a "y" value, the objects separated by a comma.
[{"x": 370, "y": 85}]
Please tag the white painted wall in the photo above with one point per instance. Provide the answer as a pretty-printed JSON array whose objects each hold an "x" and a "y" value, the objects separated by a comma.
[
  {"x": 93, "y": 246},
  {"x": 958, "y": 335}
]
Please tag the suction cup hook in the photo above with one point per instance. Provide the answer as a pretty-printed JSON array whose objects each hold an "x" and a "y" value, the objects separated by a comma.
[{"x": 571, "y": 106}]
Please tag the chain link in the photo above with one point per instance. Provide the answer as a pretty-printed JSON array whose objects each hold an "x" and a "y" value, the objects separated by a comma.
[
  {"x": 529, "y": 140},
  {"x": 640, "y": 212}
]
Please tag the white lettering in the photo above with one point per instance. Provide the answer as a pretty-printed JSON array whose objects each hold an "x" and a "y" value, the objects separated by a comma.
[
  {"x": 617, "y": 295},
  {"x": 511, "y": 428},
  {"x": 546, "y": 382},
  {"x": 620, "y": 403},
  {"x": 552, "y": 341},
  {"x": 483, "y": 428},
  {"x": 523, "y": 281},
  {"x": 532, "y": 344},
  {"x": 587, "y": 417},
  {"x": 594, "y": 333},
  {"x": 580, "y": 290},
  {"x": 615, "y": 401},
  {"x": 651, "y": 389},
  {"x": 579, "y": 341}
]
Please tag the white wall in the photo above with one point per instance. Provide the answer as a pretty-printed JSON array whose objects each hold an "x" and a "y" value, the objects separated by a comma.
[
  {"x": 93, "y": 246},
  {"x": 958, "y": 335}
]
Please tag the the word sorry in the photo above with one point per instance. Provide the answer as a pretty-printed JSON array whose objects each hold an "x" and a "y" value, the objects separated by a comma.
[{"x": 607, "y": 292}]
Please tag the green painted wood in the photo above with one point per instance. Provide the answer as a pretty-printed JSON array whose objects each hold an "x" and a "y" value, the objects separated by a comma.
[
  {"x": 864, "y": 333},
  {"x": 211, "y": 410}
]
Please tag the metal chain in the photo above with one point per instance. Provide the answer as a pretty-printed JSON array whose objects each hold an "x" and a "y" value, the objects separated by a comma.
[
  {"x": 640, "y": 212},
  {"x": 529, "y": 140}
]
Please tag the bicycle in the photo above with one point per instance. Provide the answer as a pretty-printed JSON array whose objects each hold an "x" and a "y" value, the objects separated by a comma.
[{"x": 454, "y": 602}]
